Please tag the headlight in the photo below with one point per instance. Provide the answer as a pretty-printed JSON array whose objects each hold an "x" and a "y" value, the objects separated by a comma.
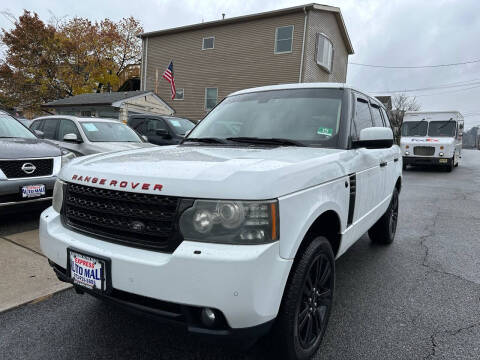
[
  {"x": 67, "y": 156},
  {"x": 441, "y": 154},
  {"x": 407, "y": 153},
  {"x": 231, "y": 222},
  {"x": 58, "y": 195}
]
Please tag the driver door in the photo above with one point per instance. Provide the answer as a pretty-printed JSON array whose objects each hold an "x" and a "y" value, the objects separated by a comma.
[{"x": 65, "y": 127}]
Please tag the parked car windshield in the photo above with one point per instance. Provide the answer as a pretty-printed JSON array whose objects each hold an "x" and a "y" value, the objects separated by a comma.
[
  {"x": 415, "y": 128},
  {"x": 11, "y": 128},
  {"x": 307, "y": 116},
  {"x": 442, "y": 128},
  {"x": 179, "y": 125},
  {"x": 97, "y": 131}
]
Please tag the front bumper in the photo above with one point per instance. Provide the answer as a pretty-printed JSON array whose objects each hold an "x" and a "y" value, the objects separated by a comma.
[
  {"x": 11, "y": 197},
  {"x": 245, "y": 283},
  {"x": 418, "y": 160}
]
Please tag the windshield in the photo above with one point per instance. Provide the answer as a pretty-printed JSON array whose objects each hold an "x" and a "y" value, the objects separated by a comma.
[
  {"x": 179, "y": 125},
  {"x": 414, "y": 128},
  {"x": 307, "y": 116},
  {"x": 11, "y": 128},
  {"x": 97, "y": 131},
  {"x": 442, "y": 128}
]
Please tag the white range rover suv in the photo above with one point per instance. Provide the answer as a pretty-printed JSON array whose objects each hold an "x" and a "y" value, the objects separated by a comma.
[{"x": 235, "y": 231}]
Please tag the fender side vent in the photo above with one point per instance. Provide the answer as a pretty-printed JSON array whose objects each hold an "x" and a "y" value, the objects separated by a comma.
[{"x": 353, "y": 193}]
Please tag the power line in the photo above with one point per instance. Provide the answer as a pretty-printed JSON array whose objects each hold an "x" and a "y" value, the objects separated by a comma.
[
  {"x": 448, "y": 92},
  {"x": 442, "y": 86},
  {"x": 415, "y": 67}
]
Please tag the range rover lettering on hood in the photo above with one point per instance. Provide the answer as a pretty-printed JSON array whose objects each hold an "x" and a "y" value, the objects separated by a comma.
[{"x": 112, "y": 183}]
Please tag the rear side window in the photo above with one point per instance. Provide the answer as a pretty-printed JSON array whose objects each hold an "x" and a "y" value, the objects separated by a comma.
[
  {"x": 377, "y": 116},
  {"x": 50, "y": 128},
  {"x": 363, "y": 118}
]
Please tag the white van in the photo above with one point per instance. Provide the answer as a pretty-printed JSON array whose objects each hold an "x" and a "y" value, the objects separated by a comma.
[{"x": 432, "y": 138}]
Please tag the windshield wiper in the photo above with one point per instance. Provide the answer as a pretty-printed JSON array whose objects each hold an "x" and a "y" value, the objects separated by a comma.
[
  {"x": 208, "y": 140},
  {"x": 266, "y": 141},
  {"x": 441, "y": 127},
  {"x": 418, "y": 124}
]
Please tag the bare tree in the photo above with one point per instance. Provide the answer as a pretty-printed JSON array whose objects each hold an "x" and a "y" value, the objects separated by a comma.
[{"x": 400, "y": 104}]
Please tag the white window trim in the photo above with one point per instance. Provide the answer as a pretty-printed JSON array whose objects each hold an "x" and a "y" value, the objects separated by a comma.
[
  {"x": 203, "y": 43},
  {"x": 316, "y": 53},
  {"x": 276, "y": 38},
  {"x": 175, "y": 98},
  {"x": 216, "y": 100}
]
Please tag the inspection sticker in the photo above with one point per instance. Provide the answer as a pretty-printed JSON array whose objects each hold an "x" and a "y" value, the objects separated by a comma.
[{"x": 325, "y": 131}]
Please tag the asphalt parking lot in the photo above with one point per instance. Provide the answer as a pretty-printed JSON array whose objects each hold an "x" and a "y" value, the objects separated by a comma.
[{"x": 416, "y": 299}]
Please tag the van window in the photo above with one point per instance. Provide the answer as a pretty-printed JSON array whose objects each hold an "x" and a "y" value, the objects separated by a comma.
[
  {"x": 377, "y": 116},
  {"x": 363, "y": 118},
  {"x": 442, "y": 128},
  {"x": 415, "y": 128}
]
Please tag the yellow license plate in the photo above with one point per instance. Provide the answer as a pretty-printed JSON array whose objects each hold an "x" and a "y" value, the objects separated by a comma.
[{"x": 442, "y": 161}]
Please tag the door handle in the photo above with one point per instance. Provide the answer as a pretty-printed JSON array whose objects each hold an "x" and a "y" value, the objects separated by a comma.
[
  {"x": 396, "y": 159},
  {"x": 383, "y": 164}
]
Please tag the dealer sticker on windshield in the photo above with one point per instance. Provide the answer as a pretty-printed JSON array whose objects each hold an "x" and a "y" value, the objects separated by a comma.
[
  {"x": 325, "y": 131},
  {"x": 87, "y": 271}
]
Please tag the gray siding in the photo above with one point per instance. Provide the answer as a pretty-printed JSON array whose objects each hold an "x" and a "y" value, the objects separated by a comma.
[{"x": 324, "y": 22}]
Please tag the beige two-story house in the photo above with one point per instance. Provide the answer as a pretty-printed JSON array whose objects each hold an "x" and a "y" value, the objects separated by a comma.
[{"x": 212, "y": 59}]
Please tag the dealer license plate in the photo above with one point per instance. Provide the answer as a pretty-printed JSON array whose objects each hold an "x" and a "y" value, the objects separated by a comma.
[
  {"x": 32, "y": 191},
  {"x": 87, "y": 271},
  {"x": 443, "y": 161}
]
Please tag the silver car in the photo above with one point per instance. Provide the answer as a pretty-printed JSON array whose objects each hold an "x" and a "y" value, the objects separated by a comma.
[{"x": 85, "y": 136}]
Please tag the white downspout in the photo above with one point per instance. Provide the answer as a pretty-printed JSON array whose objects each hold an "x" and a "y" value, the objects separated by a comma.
[
  {"x": 145, "y": 65},
  {"x": 303, "y": 44}
]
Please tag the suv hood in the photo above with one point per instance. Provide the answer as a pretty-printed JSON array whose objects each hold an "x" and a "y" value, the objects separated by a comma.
[
  {"x": 210, "y": 171},
  {"x": 20, "y": 148}
]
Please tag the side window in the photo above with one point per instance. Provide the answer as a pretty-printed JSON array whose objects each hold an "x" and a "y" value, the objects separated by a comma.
[
  {"x": 363, "y": 118},
  {"x": 377, "y": 116},
  {"x": 324, "y": 52},
  {"x": 387, "y": 119},
  {"x": 153, "y": 125},
  {"x": 67, "y": 127},
  {"x": 283, "y": 39},
  {"x": 50, "y": 128},
  {"x": 208, "y": 43},
  {"x": 35, "y": 125},
  {"x": 138, "y": 124}
]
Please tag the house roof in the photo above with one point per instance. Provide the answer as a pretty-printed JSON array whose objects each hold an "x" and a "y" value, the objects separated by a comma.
[
  {"x": 267, "y": 14},
  {"x": 96, "y": 98}
]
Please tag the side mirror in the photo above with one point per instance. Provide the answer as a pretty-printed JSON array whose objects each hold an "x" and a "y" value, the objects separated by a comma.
[
  {"x": 162, "y": 132},
  {"x": 39, "y": 133},
  {"x": 71, "y": 138},
  {"x": 374, "y": 138}
]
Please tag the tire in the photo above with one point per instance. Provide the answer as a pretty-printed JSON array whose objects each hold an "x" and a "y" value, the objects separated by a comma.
[
  {"x": 306, "y": 305},
  {"x": 451, "y": 166},
  {"x": 383, "y": 232}
]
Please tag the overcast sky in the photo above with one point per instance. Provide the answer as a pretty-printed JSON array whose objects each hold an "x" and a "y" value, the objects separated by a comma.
[{"x": 392, "y": 33}]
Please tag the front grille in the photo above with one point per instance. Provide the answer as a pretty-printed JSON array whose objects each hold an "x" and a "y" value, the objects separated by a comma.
[
  {"x": 13, "y": 168},
  {"x": 424, "y": 150},
  {"x": 138, "y": 220}
]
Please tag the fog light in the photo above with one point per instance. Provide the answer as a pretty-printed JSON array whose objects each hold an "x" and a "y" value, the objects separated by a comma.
[
  {"x": 407, "y": 153},
  {"x": 208, "y": 317},
  {"x": 441, "y": 154}
]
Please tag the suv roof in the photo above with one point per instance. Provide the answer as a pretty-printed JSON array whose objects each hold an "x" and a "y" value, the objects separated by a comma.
[{"x": 312, "y": 85}]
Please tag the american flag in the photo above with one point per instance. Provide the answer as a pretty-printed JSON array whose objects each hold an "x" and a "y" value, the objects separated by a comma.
[{"x": 168, "y": 75}]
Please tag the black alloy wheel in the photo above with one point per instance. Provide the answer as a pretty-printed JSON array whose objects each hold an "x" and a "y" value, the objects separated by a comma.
[{"x": 315, "y": 302}]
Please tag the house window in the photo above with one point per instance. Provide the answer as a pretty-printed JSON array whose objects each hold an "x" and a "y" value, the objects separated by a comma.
[
  {"x": 86, "y": 113},
  {"x": 283, "y": 39},
  {"x": 211, "y": 95},
  {"x": 208, "y": 43},
  {"x": 179, "y": 94},
  {"x": 324, "y": 52}
]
